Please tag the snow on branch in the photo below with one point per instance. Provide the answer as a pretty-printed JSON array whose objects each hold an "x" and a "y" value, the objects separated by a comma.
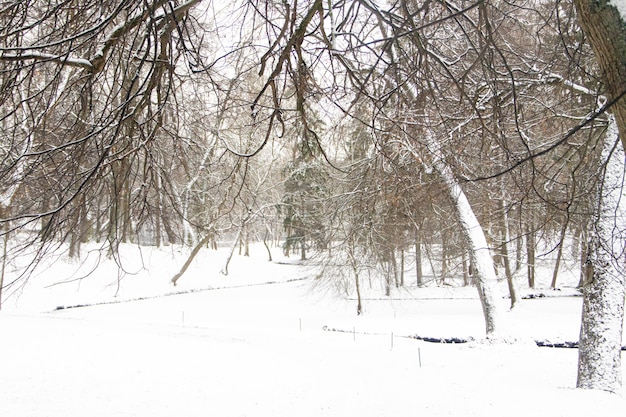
[
  {"x": 38, "y": 56},
  {"x": 556, "y": 78},
  {"x": 96, "y": 62}
]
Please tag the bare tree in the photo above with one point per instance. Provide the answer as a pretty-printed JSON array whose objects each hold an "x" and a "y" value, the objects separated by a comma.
[
  {"x": 136, "y": 118},
  {"x": 96, "y": 138}
]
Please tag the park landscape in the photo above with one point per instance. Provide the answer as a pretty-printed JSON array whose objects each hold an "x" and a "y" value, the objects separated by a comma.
[
  {"x": 270, "y": 339},
  {"x": 322, "y": 207}
]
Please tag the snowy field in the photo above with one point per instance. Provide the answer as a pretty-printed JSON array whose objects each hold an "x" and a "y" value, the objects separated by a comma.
[{"x": 258, "y": 342}]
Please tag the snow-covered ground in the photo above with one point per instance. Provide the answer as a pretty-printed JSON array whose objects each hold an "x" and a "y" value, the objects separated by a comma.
[{"x": 258, "y": 342}]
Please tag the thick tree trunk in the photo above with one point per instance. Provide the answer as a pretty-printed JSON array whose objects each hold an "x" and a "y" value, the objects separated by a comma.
[
  {"x": 607, "y": 34},
  {"x": 599, "y": 355},
  {"x": 599, "y": 360},
  {"x": 604, "y": 286}
]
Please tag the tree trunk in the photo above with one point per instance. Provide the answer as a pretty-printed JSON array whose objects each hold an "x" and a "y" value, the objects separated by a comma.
[
  {"x": 429, "y": 256},
  {"x": 267, "y": 247},
  {"x": 466, "y": 271},
  {"x": 357, "y": 283},
  {"x": 359, "y": 305},
  {"x": 559, "y": 256},
  {"x": 604, "y": 286},
  {"x": 157, "y": 226},
  {"x": 599, "y": 363},
  {"x": 302, "y": 249},
  {"x": 584, "y": 252},
  {"x": 444, "y": 258},
  {"x": 530, "y": 255},
  {"x": 505, "y": 254},
  {"x": 577, "y": 233},
  {"x": 191, "y": 257},
  {"x": 394, "y": 268},
  {"x": 418, "y": 260},
  {"x": 246, "y": 242},
  {"x": 387, "y": 278},
  {"x": 3, "y": 263},
  {"x": 518, "y": 243},
  {"x": 224, "y": 270},
  {"x": 606, "y": 32},
  {"x": 518, "y": 253},
  {"x": 402, "y": 267},
  {"x": 484, "y": 273}
]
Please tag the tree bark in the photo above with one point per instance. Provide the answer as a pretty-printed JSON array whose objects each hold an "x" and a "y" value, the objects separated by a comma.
[
  {"x": 444, "y": 260},
  {"x": 191, "y": 257},
  {"x": 559, "y": 256},
  {"x": 506, "y": 236},
  {"x": 599, "y": 357},
  {"x": 3, "y": 262},
  {"x": 402, "y": 267},
  {"x": 530, "y": 255},
  {"x": 606, "y": 32},
  {"x": 224, "y": 270},
  {"x": 357, "y": 283},
  {"x": 267, "y": 247},
  {"x": 604, "y": 286},
  {"x": 246, "y": 242},
  {"x": 466, "y": 271},
  {"x": 584, "y": 253},
  {"x": 484, "y": 273},
  {"x": 418, "y": 260}
]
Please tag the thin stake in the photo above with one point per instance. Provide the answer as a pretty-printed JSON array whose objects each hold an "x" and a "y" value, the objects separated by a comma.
[
  {"x": 391, "y": 340},
  {"x": 353, "y": 334},
  {"x": 419, "y": 356}
]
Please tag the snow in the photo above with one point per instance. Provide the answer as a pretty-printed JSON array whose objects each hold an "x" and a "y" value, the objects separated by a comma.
[
  {"x": 253, "y": 344},
  {"x": 620, "y": 5}
]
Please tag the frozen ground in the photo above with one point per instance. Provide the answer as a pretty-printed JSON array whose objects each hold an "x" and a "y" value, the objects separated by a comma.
[{"x": 235, "y": 348}]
